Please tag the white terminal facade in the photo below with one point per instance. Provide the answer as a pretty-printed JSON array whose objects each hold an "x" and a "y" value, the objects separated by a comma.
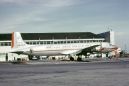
[{"x": 104, "y": 39}]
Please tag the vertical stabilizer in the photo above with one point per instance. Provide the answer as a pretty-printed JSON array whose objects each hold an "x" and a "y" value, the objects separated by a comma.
[{"x": 17, "y": 40}]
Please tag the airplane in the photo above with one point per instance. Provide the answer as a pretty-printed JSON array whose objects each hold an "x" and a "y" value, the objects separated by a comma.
[{"x": 20, "y": 47}]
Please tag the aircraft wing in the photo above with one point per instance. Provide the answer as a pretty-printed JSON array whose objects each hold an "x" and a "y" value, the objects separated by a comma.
[
  {"x": 83, "y": 51},
  {"x": 18, "y": 52},
  {"x": 86, "y": 50}
]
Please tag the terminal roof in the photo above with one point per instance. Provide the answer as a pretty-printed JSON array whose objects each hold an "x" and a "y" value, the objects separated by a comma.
[{"x": 48, "y": 36}]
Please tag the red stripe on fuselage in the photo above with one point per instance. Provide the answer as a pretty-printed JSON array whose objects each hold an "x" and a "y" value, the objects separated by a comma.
[{"x": 12, "y": 44}]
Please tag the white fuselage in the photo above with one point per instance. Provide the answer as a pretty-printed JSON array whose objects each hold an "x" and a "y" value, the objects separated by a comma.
[
  {"x": 51, "y": 47},
  {"x": 56, "y": 49}
]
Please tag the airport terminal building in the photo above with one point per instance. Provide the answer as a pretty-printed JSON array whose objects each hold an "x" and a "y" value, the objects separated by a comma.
[{"x": 105, "y": 38}]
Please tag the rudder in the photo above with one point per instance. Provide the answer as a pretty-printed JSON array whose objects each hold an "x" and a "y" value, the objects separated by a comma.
[{"x": 17, "y": 40}]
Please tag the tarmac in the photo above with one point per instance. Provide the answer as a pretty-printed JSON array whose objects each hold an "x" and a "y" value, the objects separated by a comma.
[
  {"x": 74, "y": 62},
  {"x": 56, "y": 73}
]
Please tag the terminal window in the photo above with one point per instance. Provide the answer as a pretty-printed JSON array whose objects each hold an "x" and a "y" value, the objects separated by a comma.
[{"x": 5, "y": 44}]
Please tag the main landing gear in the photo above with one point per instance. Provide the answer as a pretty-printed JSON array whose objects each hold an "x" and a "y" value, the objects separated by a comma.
[
  {"x": 73, "y": 59},
  {"x": 31, "y": 57}
]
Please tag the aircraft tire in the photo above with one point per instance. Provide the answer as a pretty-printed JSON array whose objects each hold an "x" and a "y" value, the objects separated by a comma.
[
  {"x": 79, "y": 59},
  {"x": 30, "y": 57},
  {"x": 71, "y": 59}
]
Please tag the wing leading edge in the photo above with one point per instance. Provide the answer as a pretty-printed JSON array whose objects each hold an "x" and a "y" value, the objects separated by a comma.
[{"x": 86, "y": 50}]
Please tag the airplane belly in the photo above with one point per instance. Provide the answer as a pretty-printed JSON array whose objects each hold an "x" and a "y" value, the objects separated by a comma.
[{"x": 46, "y": 53}]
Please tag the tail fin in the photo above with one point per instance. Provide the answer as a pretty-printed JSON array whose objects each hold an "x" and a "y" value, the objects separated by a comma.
[{"x": 17, "y": 40}]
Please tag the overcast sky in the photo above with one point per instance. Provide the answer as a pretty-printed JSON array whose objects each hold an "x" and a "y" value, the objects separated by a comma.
[{"x": 66, "y": 16}]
